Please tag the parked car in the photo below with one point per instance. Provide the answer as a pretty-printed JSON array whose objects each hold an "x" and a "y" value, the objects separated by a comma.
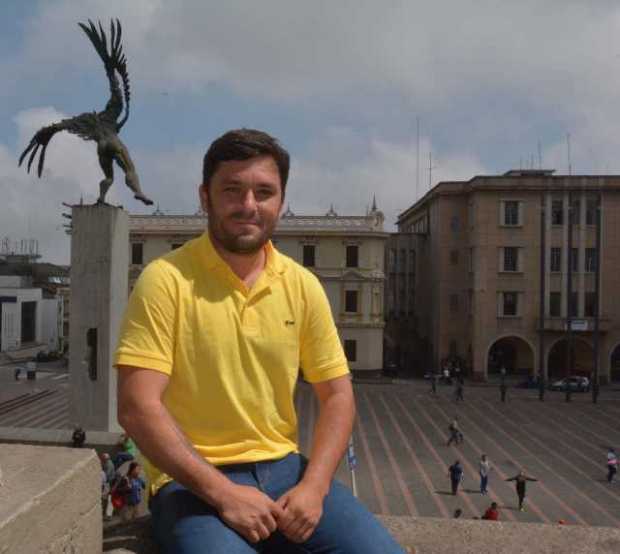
[{"x": 575, "y": 383}]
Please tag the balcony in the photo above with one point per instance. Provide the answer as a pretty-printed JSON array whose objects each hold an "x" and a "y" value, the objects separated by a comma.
[{"x": 579, "y": 324}]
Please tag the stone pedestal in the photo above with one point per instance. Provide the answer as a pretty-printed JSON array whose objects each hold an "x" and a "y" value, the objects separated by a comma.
[{"x": 99, "y": 289}]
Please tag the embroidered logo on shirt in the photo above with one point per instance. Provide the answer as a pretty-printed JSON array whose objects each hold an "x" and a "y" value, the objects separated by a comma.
[{"x": 289, "y": 322}]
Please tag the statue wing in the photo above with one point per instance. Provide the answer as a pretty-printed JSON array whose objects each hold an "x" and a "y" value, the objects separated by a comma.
[
  {"x": 84, "y": 125},
  {"x": 114, "y": 62}
]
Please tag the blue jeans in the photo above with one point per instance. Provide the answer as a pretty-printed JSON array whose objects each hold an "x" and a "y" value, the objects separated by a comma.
[
  {"x": 484, "y": 480},
  {"x": 185, "y": 524}
]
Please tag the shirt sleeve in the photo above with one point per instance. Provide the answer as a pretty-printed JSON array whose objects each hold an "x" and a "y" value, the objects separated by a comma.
[
  {"x": 147, "y": 333},
  {"x": 322, "y": 357}
]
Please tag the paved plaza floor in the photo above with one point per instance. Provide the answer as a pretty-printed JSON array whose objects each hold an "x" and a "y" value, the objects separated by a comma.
[
  {"x": 402, "y": 459},
  {"x": 400, "y": 443}
]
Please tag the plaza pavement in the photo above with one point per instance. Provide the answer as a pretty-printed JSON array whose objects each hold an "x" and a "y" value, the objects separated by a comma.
[{"x": 400, "y": 443}]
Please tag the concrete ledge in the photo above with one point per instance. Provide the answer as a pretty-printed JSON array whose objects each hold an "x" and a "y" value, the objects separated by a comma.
[
  {"x": 435, "y": 536},
  {"x": 55, "y": 436},
  {"x": 50, "y": 500}
]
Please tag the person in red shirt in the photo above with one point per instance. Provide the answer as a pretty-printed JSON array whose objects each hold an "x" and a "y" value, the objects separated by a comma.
[{"x": 492, "y": 512}]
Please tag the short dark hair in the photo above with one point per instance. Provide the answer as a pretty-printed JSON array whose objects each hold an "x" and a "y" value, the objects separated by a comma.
[{"x": 243, "y": 144}]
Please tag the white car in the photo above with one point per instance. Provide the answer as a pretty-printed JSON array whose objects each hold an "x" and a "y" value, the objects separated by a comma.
[{"x": 576, "y": 383}]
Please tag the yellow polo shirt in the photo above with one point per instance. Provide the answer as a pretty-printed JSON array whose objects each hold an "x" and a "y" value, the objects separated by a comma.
[{"x": 232, "y": 354}]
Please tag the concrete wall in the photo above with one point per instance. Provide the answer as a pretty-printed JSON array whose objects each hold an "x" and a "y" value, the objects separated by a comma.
[
  {"x": 52, "y": 323},
  {"x": 50, "y": 500}
]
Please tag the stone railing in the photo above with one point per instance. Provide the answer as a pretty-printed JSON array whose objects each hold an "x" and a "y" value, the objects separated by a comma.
[{"x": 50, "y": 504}]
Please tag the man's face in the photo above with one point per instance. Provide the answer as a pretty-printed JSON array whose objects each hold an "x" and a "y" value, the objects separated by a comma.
[{"x": 243, "y": 202}]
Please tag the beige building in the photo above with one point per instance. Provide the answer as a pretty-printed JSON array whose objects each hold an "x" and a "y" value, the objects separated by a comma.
[
  {"x": 346, "y": 253},
  {"x": 472, "y": 274}
]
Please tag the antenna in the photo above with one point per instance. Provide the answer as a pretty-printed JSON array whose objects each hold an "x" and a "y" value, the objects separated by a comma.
[
  {"x": 539, "y": 156},
  {"x": 430, "y": 169},
  {"x": 570, "y": 167},
  {"x": 417, "y": 157}
]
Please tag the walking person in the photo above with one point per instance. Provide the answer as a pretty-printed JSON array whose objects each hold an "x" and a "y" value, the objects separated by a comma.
[
  {"x": 456, "y": 435},
  {"x": 458, "y": 389},
  {"x": 133, "y": 492},
  {"x": 520, "y": 485},
  {"x": 456, "y": 474},
  {"x": 612, "y": 465},
  {"x": 484, "y": 467},
  {"x": 434, "y": 378}
]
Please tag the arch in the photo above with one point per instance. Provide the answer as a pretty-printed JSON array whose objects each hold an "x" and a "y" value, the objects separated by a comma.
[
  {"x": 614, "y": 363},
  {"x": 583, "y": 358},
  {"x": 514, "y": 352}
]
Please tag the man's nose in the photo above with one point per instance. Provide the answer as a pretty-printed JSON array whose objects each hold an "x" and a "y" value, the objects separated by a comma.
[{"x": 248, "y": 200}]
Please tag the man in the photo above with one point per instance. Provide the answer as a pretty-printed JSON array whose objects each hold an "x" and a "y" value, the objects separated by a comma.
[
  {"x": 484, "y": 467},
  {"x": 521, "y": 480},
  {"x": 456, "y": 435},
  {"x": 455, "y": 472},
  {"x": 132, "y": 486},
  {"x": 208, "y": 358},
  {"x": 492, "y": 512}
]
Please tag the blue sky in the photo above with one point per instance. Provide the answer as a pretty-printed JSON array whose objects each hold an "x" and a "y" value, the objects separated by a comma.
[{"x": 340, "y": 83}]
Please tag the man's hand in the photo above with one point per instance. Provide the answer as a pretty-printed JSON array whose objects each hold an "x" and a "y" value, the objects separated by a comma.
[
  {"x": 250, "y": 512},
  {"x": 303, "y": 507}
]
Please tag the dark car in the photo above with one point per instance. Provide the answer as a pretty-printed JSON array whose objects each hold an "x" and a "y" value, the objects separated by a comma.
[{"x": 575, "y": 383}]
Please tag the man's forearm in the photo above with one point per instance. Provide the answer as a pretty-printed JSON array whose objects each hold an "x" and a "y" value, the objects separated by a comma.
[
  {"x": 164, "y": 444},
  {"x": 331, "y": 437}
]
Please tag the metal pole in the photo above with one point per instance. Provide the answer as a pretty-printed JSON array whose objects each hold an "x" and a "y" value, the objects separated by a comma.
[
  {"x": 569, "y": 296},
  {"x": 597, "y": 304},
  {"x": 541, "y": 308}
]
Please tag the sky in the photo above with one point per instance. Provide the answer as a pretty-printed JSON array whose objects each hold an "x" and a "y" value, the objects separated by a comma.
[{"x": 354, "y": 89}]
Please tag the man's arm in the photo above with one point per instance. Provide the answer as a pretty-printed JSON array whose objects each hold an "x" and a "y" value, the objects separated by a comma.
[
  {"x": 303, "y": 504},
  {"x": 142, "y": 414}
]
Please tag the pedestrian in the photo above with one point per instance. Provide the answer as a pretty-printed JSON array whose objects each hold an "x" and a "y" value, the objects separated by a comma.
[
  {"x": 492, "y": 513},
  {"x": 458, "y": 390},
  {"x": 455, "y": 472},
  {"x": 612, "y": 464},
  {"x": 214, "y": 336},
  {"x": 434, "y": 382},
  {"x": 108, "y": 467},
  {"x": 484, "y": 467},
  {"x": 520, "y": 484},
  {"x": 502, "y": 391},
  {"x": 127, "y": 453},
  {"x": 78, "y": 438},
  {"x": 456, "y": 435},
  {"x": 132, "y": 488},
  {"x": 446, "y": 375}
]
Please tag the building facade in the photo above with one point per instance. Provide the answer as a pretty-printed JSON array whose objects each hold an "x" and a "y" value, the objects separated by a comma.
[
  {"x": 346, "y": 253},
  {"x": 478, "y": 273}
]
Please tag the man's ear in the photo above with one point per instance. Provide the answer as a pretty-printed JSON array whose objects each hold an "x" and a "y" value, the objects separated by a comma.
[{"x": 203, "y": 194}]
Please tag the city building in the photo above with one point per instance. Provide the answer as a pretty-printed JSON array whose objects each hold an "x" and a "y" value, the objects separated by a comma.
[
  {"x": 346, "y": 253},
  {"x": 466, "y": 263}
]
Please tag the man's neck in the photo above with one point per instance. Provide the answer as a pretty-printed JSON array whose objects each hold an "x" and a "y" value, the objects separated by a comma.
[{"x": 247, "y": 267}]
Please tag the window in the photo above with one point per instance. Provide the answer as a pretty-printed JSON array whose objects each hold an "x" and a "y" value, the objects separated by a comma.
[
  {"x": 556, "y": 259},
  {"x": 509, "y": 304},
  {"x": 575, "y": 210},
  {"x": 574, "y": 260},
  {"x": 511, "y": 212},
  {"x": 470, "y": 302},
  {"x": 352, "y": 255},
  {"x": 590, "y": 304},
  {"x": 573, "y": 308},
  {"x": 350, "y": 350},
  {"x": 454, "y": 223},
  {"x": 557, "y": 211},
  {"x": 412, "y": 261},
  {"x": 591, "y": 210},
  {"x": 590, "y": 260},
  {"x": 402, "y": 261},
  {"x": 309, "y": 255},
  {"x": 454, "y": 257},
  {"x": 454, "y": 303},
  {"x": 555, "y": 304},
  {"x": 472, "y": 261},
  {"x": 137, "y": 253},
  {"x": 510, "y": 259},
  {"x": 392, "y": 259},
  {"x": 350, "y": 301}
]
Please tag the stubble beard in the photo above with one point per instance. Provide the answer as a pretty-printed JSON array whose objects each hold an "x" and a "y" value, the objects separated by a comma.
[{"x": 239, "y": 244}]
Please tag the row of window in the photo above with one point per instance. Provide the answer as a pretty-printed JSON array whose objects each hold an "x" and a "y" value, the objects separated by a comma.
[
  {"x": 510, "y": 304},
  {"x": 351, "y": 255},
  {"x": 511, "y": 211},
  {"x": 511, "y": 259}
]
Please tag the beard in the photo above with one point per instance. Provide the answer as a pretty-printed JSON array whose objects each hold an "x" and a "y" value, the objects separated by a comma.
[{"x": 247, "y": 244}]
